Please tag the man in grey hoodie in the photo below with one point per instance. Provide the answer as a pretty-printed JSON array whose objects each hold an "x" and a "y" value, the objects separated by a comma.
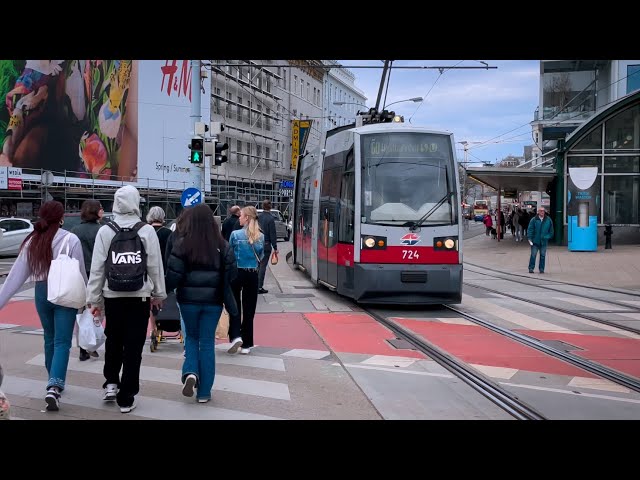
[{"x": 126, "y": 313}]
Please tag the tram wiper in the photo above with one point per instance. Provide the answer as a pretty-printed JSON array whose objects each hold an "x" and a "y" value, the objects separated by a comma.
[{"x": 415, "y": 225}]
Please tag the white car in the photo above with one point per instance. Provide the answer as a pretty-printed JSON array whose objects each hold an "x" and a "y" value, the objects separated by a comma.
[{"x": 13, "y": 231}]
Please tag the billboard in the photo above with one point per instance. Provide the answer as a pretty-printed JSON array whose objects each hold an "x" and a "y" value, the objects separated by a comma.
[{"x": 103, "y": 121}]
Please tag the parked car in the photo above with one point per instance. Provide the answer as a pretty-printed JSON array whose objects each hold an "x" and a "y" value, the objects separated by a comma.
[
  {"x": 282, "y": 231},
  {"x": 13, "y": 231}
]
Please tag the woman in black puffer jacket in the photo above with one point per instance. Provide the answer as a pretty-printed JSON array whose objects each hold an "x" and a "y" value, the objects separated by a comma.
[{"x": 200, "y": 267}]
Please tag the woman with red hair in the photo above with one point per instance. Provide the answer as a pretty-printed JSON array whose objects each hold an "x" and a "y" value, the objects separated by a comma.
[{"x": 36, "y": 253}]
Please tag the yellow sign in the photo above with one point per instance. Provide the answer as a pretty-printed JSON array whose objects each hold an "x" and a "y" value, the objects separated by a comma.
[{"x": 295, "y": 144}]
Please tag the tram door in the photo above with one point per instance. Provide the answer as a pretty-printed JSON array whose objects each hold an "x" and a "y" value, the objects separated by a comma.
[
  {"x": 304, "y": 219},
  {"x": 328, "y": 219}
]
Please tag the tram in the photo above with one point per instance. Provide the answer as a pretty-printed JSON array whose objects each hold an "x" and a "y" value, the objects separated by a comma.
[{"x": 377, "y": 214}]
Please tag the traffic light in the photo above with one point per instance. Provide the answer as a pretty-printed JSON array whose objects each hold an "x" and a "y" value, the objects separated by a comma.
[
  {"x": 197, "y": 150},
  {"x": 220, "y": 157}
]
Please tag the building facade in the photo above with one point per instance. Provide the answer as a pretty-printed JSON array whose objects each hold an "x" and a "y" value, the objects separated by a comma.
[
  {"x": 340, "y": 88},
  {"x": 258, "y": 101},
  {"x": 571, "y": 91}
]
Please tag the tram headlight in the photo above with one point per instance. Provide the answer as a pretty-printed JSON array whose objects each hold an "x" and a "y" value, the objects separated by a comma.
[
  {"x": 370, "y": 242},
  {"x": 445, "y": 243}
]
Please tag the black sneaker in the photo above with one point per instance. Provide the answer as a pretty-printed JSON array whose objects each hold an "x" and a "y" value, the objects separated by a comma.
[
  {"x": 52, "y": 399},
  {"x": 84, "y": 355},
  {"x": 262, "y": 290}
]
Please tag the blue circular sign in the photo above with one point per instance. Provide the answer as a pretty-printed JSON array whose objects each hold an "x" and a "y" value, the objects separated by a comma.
[{"x": 191, "y": 197}]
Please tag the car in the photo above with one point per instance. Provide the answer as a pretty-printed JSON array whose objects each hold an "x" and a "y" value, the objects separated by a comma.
[
  {"x": 73, "y": 219},
  {"x": 13, "y": 231},
  {"x": 282, "y": 231}
]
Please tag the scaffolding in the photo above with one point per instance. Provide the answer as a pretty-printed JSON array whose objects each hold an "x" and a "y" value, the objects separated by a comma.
[{"x": 70, "y": 189}]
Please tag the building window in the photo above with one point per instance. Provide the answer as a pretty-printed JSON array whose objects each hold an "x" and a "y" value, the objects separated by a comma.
[
  {"x": 301, "y": 87},
  {"x": 633, "y": 78},
  {"x": 267, "y": 153},
  {"x": 295, "y": 84},
  {"x": 308, "y": 91},
  {"x": 621, "y": 164},
  {"x": 568, "y": 95},
  {"x": 622, "y": 131},
  {"x": 621, "y": 199},
  {"x": 592, "y": 142},
  {"x": 238, "y": 151},
  {"x": 239, "y": 117}
]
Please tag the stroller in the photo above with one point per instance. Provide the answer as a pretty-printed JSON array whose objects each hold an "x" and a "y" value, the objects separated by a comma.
[{"x": 167, "y": 319}]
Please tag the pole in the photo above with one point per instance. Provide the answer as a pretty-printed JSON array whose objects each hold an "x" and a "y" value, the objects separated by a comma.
[{"x": 195, "y": 117}]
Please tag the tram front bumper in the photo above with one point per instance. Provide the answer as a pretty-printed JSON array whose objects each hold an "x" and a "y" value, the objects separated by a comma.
[{"x": 399, "y": 284}]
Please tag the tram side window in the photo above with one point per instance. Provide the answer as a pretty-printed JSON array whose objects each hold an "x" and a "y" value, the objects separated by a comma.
[{"x": 347, "y": 205}]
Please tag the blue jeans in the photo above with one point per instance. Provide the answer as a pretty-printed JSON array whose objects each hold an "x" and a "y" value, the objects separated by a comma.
[
  {"x": 534, "y": 252},
  {"x": 201, "y": 322},
  {"x": 58, "y": 323}
]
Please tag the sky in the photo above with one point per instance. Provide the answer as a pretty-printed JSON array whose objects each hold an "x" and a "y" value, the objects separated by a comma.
[{"x": 494, "y": 106}]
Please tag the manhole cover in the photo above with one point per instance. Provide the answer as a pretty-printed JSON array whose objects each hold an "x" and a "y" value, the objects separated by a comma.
[{"x": 401, "y": 344}]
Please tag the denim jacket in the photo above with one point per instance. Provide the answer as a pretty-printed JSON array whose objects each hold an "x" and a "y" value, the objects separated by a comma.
[{"x": 243, "y": 250}]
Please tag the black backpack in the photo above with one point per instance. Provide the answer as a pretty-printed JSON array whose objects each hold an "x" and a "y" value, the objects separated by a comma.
[{"x": 126, "y": 268}]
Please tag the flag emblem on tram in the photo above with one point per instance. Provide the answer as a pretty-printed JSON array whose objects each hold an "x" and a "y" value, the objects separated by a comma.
[{"x": 410, "y": 239}]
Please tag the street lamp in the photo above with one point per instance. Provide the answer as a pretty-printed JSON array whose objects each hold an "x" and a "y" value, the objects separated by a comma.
[
  {"x": 350, "y": 103},
  {"x": 414, "y": 99}
]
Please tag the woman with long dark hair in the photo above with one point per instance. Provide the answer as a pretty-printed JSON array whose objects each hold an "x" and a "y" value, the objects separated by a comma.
[
  {"x": 91, "y": 213},
  {"x": 248, "y": 247},
  {"x": 200, "y": 267},
  {"x": 36, "y": 253}
]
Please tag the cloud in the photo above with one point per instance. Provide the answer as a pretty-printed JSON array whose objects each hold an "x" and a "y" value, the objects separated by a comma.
[{"x": 476, "y": 104}]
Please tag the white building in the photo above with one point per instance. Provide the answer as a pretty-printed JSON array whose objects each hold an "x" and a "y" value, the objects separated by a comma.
[{"x": 340, "y": 88}]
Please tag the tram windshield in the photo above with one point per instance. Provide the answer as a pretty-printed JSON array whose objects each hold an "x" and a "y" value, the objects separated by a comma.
[{"x": 406, "y": 176}]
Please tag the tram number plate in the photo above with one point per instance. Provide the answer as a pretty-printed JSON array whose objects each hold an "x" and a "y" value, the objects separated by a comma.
[{"x": 410, "y": 255}]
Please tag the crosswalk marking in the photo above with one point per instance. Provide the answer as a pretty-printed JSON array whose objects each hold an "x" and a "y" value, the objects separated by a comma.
[
  {"x": 389, "y": 361},
  {"x": 597, "y": 384},
  {"x": 513, "y": 316},
  {"x": 306, "y": 353},
  {"x": 247, "y": 386},
  {"x": 4, "y": 326},
  {"x": 268, "y": 363},
  {"x": 147, "y": 407},
  {"x": 597, "y": 306},
  {"x": 495, "y": 372}
]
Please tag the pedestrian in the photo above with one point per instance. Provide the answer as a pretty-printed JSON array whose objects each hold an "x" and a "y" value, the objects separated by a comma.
[
  {"x": 268, "y": 226},
  {"x": 539, "y": 233},
  {"x": 91, "y": 213},
  {"x": 156, "y": 218},
  {"x": 200, "y": 266},
  {"x": 127, "y": 277},
  {"x": 36, "y": 253},
  {"x": 248, "y": 247},
  {"x": 232, "y": 222}
]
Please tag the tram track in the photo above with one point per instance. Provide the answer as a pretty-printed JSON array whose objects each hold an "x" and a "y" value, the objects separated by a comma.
[
  {"x": 509, "y": 402},
  {"x": 585, "y": 316}
]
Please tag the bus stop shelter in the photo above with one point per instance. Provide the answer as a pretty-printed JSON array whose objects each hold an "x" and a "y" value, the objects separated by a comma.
[{"x": 516, "y": 179}]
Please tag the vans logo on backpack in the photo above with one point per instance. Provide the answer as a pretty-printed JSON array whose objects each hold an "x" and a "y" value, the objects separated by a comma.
[
  {"x": 126, "y": 257},
  {"x": 126, "y": 266}
]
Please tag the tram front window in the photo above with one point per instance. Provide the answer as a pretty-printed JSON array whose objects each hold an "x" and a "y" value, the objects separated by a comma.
[{"x": 406, "y": 175}]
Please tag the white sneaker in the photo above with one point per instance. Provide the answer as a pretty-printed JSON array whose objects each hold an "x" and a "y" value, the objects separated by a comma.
[
  {"x": 129, "y": 408},
  {"x": 110, "y": 392},
  {"x": 245, "y": 351},
  {"x": 235, "y": 345},
  {"x": 189, "y": 384},
  {"x": 203, "y": 400}
]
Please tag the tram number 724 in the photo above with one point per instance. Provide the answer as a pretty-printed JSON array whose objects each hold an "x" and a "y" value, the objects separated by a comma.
[{"x": 410, "y": 255}]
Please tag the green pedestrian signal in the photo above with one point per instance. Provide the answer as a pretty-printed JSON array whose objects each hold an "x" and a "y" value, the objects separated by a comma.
[{"x": 197, "y": 150}]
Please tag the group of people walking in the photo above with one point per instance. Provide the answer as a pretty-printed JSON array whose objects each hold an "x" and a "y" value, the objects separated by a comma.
[{"x": 129, "y": 266}]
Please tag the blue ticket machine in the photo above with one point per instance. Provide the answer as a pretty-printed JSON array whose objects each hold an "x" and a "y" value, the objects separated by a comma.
[{"x": 583, "y": 205}]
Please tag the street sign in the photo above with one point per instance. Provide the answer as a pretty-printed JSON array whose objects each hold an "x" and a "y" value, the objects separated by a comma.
[{"x": 191, "y": 197}]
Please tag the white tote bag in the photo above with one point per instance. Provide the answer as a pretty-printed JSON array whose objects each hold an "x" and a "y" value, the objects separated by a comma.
[{"x": 65, "y": 285}]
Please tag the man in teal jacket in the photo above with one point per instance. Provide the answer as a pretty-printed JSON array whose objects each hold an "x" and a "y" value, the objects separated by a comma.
[{"x": 540, "y": 231}]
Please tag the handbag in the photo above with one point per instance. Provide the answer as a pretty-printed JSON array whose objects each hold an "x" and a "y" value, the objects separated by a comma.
[
  {"x": 65, "y": 284},
  {"x": 274, "y": 258}
]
